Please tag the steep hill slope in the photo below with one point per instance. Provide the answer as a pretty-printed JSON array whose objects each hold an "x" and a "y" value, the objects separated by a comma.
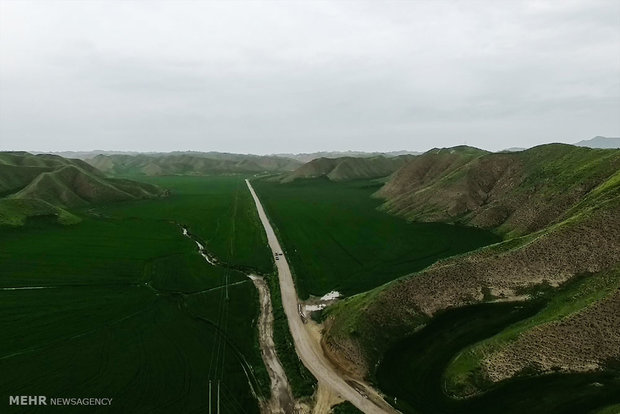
[
  {"x": 427, "y": 168},
  {"x": 515, "y": 193},
  {"x": 578, "y": 237},
  {"x": 348, "y": 168},
  {"x": 190, "y": 164},
  {"x": 17, "y": 169},
  {"x": 46, "y": 185}
]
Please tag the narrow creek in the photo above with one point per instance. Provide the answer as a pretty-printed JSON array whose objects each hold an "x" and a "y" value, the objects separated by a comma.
[{"x": 281, "y": 400}]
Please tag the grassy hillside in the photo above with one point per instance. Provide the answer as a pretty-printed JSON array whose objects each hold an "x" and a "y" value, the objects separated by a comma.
[
  {"x": 427, "y": 168},
  {"x": 562, "y": 222},
  {"x": 515, "y": 193},
  {"x": 581, "y": 315},
  {"x": 15, "y": 212},
  {"x": 335, "y": 237},
  {"x": 411, "y": 372},
  {"x": 18, "y": 169},
  {"x": 46, "y": 185},
  {"x": 193, "y": 163},
  {"x": 348, "y": 168}
]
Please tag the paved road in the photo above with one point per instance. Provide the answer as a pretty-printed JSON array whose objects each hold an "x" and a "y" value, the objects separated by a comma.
[{"x": 310, "y": 354}]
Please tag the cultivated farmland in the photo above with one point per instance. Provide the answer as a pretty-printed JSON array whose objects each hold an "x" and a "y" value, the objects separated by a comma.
[
  {"x": 336, "y": 239},
  {"x": 122, "y": 305}
]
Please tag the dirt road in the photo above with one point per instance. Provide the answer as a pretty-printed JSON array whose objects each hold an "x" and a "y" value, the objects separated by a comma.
[
  {"x": 310, "y": 354},
  {"x": 282, "y": 400}
]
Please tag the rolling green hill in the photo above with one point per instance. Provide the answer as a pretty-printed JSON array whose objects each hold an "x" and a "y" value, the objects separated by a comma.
[
  {"x": 18, "y": 169},
  {"x": 348, "y": 168},
  {"x": 560, "y": 218},
  {"x": 70, "y": 186},
  {"x": 46, "y": 185},
  {"x": 191, "y": 163}
]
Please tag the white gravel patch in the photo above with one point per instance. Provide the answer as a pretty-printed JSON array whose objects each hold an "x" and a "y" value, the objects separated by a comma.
[{"x": 331, "y": 295}]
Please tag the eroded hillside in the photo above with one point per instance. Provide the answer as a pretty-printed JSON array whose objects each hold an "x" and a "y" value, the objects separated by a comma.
[
  {"x": 348, "y": 168},
  {"x": 561, "y": 218},
  {"x": 514, "y": 193}
]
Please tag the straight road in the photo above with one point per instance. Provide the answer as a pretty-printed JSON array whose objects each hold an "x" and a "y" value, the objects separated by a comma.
[{"x": 311, "y": 355}]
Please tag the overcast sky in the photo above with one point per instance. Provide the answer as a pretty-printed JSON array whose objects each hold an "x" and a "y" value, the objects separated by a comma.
[{"x": 295, "y": 76}]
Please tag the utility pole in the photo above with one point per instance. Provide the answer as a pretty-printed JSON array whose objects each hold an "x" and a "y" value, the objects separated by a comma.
[
  {"x": 227, "y": 287},
  {"x": 218, "y": 396},
  {"x": 209, "y": 396}
]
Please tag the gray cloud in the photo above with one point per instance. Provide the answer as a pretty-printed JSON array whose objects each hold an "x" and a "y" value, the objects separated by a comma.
[{"x": 268, "y": 77}]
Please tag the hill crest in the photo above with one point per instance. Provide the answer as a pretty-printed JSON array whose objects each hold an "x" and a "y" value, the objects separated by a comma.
[
  {"x": 189, "y": 163},
  {"x": 348, "y": 168}
]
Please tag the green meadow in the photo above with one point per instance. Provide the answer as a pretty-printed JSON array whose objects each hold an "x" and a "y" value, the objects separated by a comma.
[
  {"x": 121, "y": 305},
  {"x": 336, "y": 239}
]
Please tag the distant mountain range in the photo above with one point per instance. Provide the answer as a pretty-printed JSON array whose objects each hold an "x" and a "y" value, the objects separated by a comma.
[
  {"x": 307, "y": 157},
  {"x": 44, "y": 184},
  {"x": 600, "y": 142},
  {"x": 596, "y": 142},
  {"x": 83, "y": 155}
]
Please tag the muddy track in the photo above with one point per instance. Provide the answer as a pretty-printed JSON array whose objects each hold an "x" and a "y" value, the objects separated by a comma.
[{"x": 281, "y": 401}]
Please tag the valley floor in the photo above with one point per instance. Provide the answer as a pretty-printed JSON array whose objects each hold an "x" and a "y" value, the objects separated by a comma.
[{"x": 308, "y": 349}]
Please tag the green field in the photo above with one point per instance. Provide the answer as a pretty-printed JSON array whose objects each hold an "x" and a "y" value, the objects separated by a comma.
[
  {"x": 125, "y": 307},
  {"x": 218, "y": 209},
  {"x": 336, "y": 239}
]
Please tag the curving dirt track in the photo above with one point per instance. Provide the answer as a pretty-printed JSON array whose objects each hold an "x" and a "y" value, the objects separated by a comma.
[
  {"x": 281, "y": 397},
  {"x": 364, "y": 398}
]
